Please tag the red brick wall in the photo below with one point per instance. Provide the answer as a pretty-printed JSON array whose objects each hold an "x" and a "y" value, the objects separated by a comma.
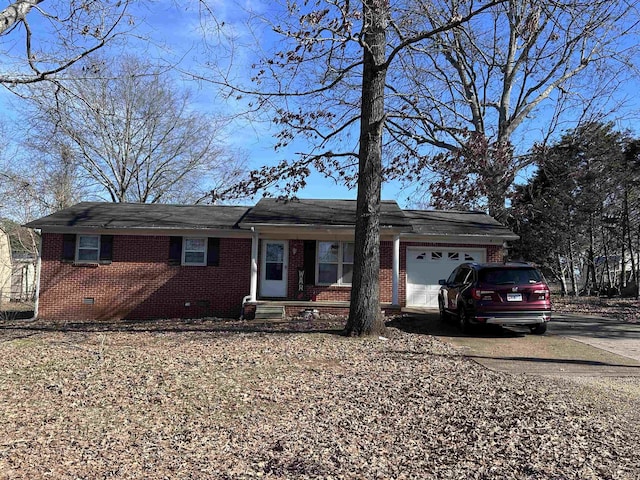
[
  {"x": 386, "y": 271},
  {"x": 140, "y": 283},
  {"x": 335, "y": 293}
]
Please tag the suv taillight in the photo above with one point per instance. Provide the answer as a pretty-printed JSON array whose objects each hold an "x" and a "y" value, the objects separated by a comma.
[
  {"x": 480, "y": 294},
  {"x": 542, "y": 294}
]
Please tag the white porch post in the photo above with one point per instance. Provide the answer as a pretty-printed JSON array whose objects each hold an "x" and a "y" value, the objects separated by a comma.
[
  {"x": 38, "y": 270},
  {"x": 395, "y": 270},
  {"x": 254, "y": 267}
]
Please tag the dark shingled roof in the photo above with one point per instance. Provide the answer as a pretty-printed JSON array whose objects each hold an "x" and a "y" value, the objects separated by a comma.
[
  {"x": 142, "y": 215},
  {"x": 270, "y": 211},
  {"x": 452, "y": 222}
]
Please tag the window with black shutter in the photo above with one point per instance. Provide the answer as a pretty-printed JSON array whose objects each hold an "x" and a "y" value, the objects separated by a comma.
[
  {"x": 309, "y": 262},
  {"x": 68, "y": 247},
  {"x": 106, "y": 249},
  {"x": 175, "y": 250},
  {"x": 213, "y": 252},
  {"x": 87, "y": 249}
]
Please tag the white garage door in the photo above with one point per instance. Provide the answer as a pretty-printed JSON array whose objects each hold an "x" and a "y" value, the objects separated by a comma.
[{"x": 426, "y": 266}]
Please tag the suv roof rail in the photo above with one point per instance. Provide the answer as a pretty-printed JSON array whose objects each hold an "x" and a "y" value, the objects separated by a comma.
[{"x": 473, "y": 264}]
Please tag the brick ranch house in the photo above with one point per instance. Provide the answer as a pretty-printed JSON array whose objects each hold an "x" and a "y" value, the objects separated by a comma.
[{"x": 103, "y": 261}]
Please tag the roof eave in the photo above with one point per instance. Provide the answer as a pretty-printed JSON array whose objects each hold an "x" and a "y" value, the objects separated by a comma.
[
  {"x": 250, "y": 225},
  {"x": 315, "y": 226},
  {"x": 460, "y": 238},
  {"x": 169, "y": 231}
]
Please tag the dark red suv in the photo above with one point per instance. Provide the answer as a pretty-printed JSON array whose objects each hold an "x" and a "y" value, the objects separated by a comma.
[{"x": 496, "y": 294}]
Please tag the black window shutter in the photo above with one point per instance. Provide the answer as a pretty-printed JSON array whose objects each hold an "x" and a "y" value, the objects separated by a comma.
[
  {"x": 213, "y": 252},
  {"x": 175, "y": 250},
  {"x": 68, "y": 247},
  {"x": 106, "y": 248},
  {"x": 309, "y": 262}
]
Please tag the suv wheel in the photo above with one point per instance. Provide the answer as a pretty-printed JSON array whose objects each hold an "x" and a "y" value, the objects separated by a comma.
[
  {"x": 539, "y": 329},
  {"x": 443, "y": 314},
  {"x": 463, "y": 320}
]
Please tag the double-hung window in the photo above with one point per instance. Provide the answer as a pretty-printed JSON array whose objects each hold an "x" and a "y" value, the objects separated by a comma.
[
  {"x": 335, "y": 263},
  {"x": 194, "y": 251},
  {"x": 88, "y": 248}
]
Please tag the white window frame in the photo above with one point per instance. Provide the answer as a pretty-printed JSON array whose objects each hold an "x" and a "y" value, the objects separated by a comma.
[
  {"x": 97, "y": 250},
  {"x": 340, "y": 262},
  {"x": 204, "y": 251}
]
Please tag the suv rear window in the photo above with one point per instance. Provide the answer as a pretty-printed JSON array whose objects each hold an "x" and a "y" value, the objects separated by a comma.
[{"x": 505, "y": 276}]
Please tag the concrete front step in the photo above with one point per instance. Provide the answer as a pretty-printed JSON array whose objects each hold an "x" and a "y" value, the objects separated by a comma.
[{"x": 269, "y": 312}]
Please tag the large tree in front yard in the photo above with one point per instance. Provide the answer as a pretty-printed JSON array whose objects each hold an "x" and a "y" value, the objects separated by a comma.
[
  {"x": 325, "y": 83},
  {"x": 364, "y": 318}
]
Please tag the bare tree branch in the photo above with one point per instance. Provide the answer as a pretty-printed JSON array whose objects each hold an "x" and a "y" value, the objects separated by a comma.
[
  {"x": 130, "y": 131},
  {"x": 67, "y": 33}
]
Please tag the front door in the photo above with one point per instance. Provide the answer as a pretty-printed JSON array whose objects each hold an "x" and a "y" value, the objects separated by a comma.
[{"x": 273, "y": 278}]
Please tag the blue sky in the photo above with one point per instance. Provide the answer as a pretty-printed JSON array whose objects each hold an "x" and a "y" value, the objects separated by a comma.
[
  {"x": 183, "y": 31},
  {"x": 172, "y": 31},
  {"x": 180, "y": 29}
]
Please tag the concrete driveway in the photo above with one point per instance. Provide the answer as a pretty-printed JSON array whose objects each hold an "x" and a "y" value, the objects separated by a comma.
[
  {"x": 603, "y": 333},
  {"x": 574, "y": 345}
]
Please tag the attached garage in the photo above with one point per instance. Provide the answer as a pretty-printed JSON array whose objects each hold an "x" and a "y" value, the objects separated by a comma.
[{"x": 426, "y": 266}]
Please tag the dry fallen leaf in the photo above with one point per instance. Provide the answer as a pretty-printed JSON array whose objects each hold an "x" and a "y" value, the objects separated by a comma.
[{"x": 235, "y": 400}]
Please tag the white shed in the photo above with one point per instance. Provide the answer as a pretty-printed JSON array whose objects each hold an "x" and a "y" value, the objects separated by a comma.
[{"x": 5, "y": 267}]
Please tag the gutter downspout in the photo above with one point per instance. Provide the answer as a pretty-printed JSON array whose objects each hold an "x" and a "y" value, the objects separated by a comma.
[
  {"x": 38, "y": 268},
  {"x": 395, "y": 270},
  {"x": 253, "y": 292}
]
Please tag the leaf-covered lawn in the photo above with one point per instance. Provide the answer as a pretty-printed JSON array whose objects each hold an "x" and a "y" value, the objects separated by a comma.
[
  {"x": 622, "y": 309},
  {"x": 214, "y": 399}
]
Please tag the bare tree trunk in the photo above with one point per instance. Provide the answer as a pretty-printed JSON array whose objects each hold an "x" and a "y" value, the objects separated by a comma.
[
  {"x": 623, "y": 259},
  {"x": 496, "y": 201},
  {"x": 606, "y": 260},
  {"x": 637, "y": 294},
  {"x": 591, "y": 283},
  {"x": 572, "y": 264},
  {"x": 365, "y": 317},
  {"x": 634, "y": 271},
  {"x": 572, "y": 270},
  {"x": 563, "y": 278}
]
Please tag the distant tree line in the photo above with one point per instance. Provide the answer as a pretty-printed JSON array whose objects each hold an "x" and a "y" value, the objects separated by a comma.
[{"x": 579, "y": 215}]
